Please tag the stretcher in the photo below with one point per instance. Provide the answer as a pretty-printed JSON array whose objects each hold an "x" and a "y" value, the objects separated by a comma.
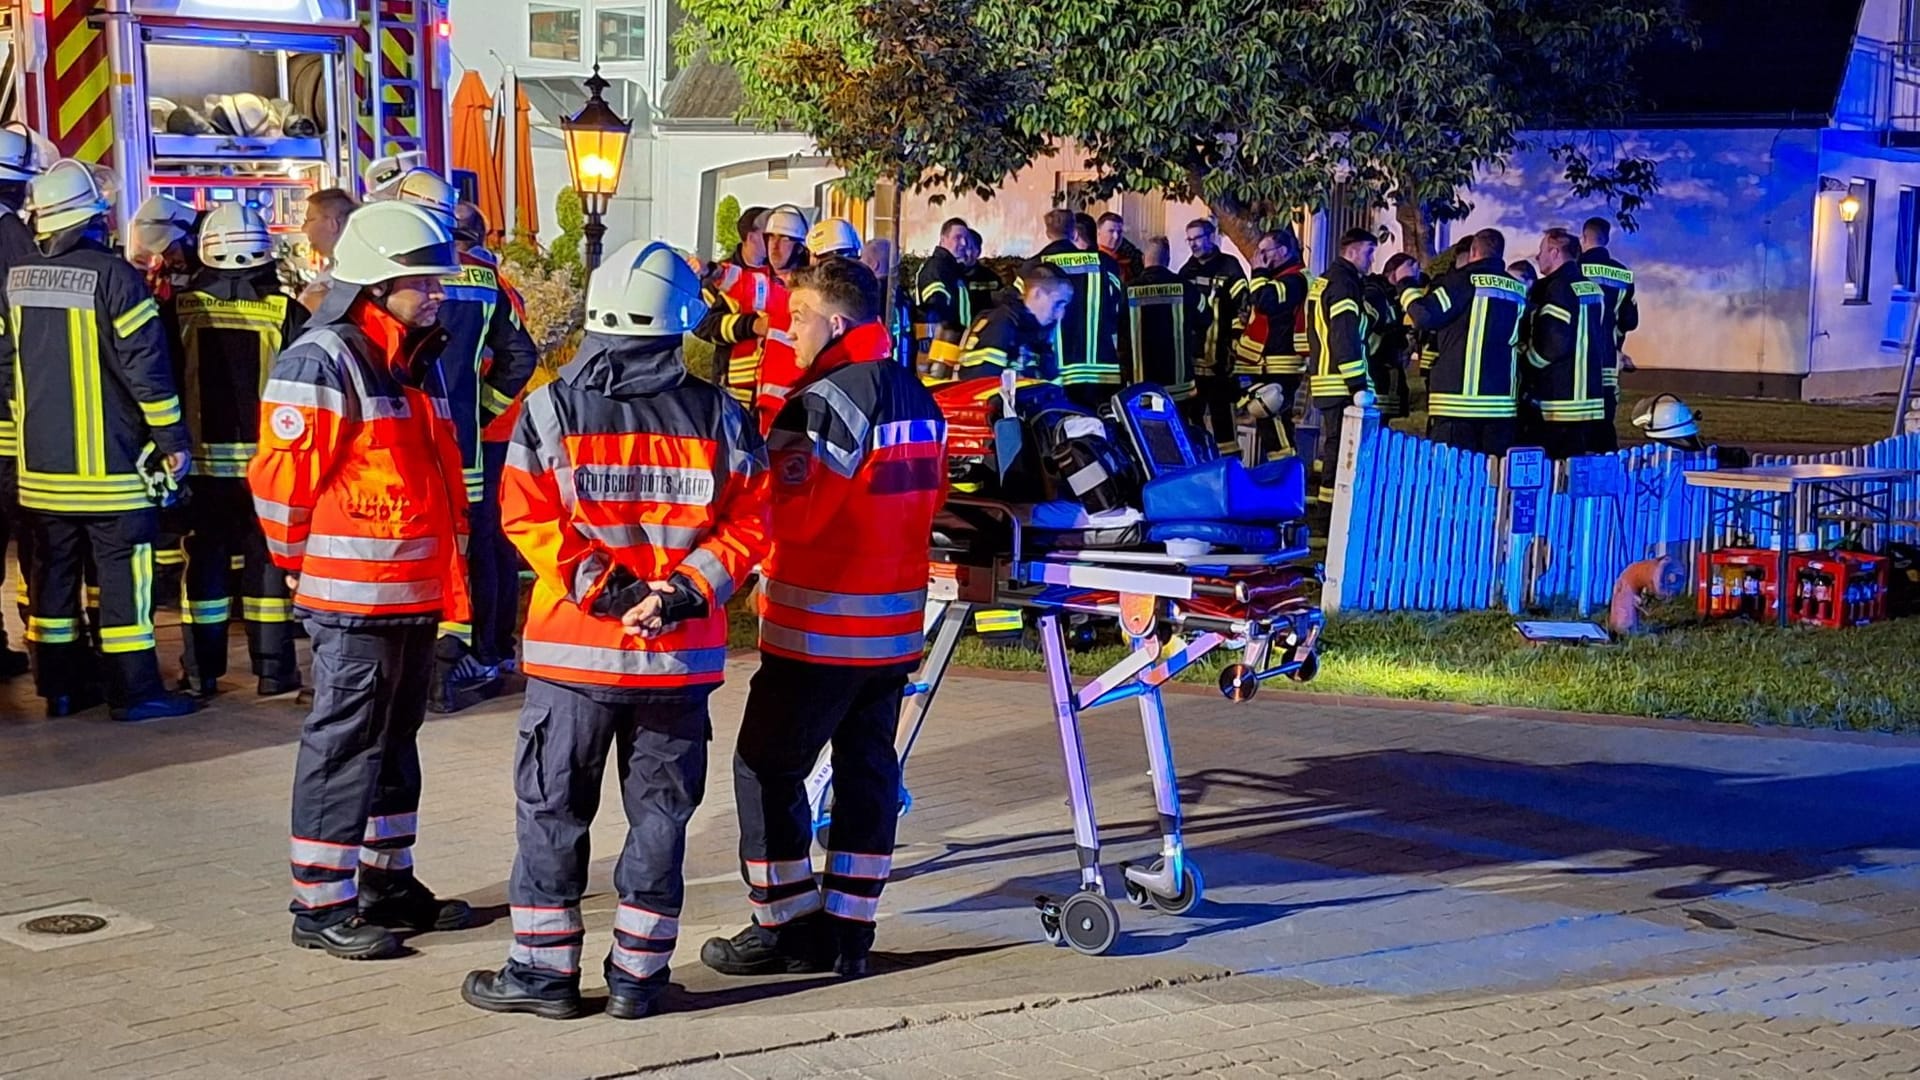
[{"x": 1173, "y": 611}]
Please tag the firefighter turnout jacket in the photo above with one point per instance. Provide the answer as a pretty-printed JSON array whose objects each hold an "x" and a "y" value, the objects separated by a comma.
[
  {"x": 626, "y": 470},
  {"x": 983, "y": 291},
  {"x": 1567, "y": 347},
  {"x": 357, "y": 478},
  {"x": 1337, "y": 328},
  {"x": 489, "y": 355},
  {"x": 1387, "y": 338},
  {"x": 942, "y": 306},
  {"x": 1219, "y": 276},
  {"x": 1273, "y": 302},
  {"x": 1087, "y": 337},
  {"x": 1166, "y": 328},
  {"x": 16, "y": 244},
  {"x": 90, "y": 378},
  {"x": 736, "y": 295},
  {"x": 859, "y": 463},
  {"x": 1009, "y": 336},
  {"x": 1622, "y": 310},
  {"x": 1475, "y": 313},
  {"x": 231, "y": 325}
]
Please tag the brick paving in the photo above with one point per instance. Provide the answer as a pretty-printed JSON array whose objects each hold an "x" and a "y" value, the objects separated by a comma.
[{"x": 1391, "y": 892}]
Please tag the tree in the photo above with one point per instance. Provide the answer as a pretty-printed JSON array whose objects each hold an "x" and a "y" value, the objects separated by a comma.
[
  {"x": 564, "y": 252},
  {"x": 1253, "y": 106},
  {"x": 726, "y": 226}
]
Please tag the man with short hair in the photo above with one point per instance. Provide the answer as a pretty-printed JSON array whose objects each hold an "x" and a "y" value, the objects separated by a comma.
[
  {"x": 1166, "y": 322},
  {"x": 942, "y": 304},
  {"x": 1085, "y": 232},
  {"x": 1219, "y": 276},
  {"x": 859, "y": 465},
  {"x": 738, "y": 292},
  {"x": 1568, "y": 354},
  {"x": 1273, "y": 300},
  {"x": 1337, "y": 327},
  {"x": 327, "y": 213},
  {"x": 1087, "y": 338},
  {"x": 983, "y": 284},
  {"x": 1622, "y": 314},
  {"x": 1474, "y": 312},
  {"x": 1018, "y": 332},
  {"x": 1111, "y": 231}
]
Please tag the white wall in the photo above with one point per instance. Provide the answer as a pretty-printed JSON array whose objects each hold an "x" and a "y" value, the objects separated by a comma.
[
  {"x": 683, "y": 157},
  {"x": 1857, "y": 347}
]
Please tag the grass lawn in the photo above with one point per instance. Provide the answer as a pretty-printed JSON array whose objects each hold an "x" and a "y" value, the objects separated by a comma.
[{"x": 1858, "y": 679}]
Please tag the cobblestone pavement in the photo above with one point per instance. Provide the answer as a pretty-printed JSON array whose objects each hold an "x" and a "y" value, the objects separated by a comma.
[{"x": 1392, "y": 891}]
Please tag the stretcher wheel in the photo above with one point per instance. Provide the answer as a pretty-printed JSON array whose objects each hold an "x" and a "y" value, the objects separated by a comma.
[
  {"x": 1238, "y": 682},
  {"x": 1309, "y": 667},
  {"x": 1089, "y": 922},
  {"x": 1192, "y": 888}
]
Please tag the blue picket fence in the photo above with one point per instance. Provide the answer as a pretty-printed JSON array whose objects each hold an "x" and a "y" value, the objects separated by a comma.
[
  {"x": 1430, "y": 528},
  {"x": 1898, "y": 452}
]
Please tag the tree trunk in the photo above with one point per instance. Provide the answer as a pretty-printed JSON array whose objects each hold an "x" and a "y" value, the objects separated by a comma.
[
  {"x": 1416, "y": 230},
  {"x": 1239, "y": 223}
]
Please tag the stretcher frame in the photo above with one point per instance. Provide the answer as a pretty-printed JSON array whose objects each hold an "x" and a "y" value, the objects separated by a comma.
[{"x": 1149, "y": 593}]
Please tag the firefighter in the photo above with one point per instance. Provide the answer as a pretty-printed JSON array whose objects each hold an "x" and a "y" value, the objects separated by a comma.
[
  {"x": 101, "y": 442},
  {"x": 1474, "y": 312},
  {"x": 163, "y": 245},
  {"x": 1166, "y": 323},
  {"x": 1111, "y": 231},
  {"x": 1218, "y": 275},
  {"x": 1019, "y": 332},
  {"x": 779, "y": 368},
  {"x": 1568, "y": 354},
  {"x": 1388, "y": 339},
  {"x": 984, "y": 286},
  {"x": 232, "y": 321},
  {"x": 1273, "y": 300},
  {"x": 1087, "y": 338},
  {"x": 357, "y": 484},
  {"x": 1337, "y": 329},
  {"x": 638, "y": 495},
  {"x": 942, "y": 302},
  {"x": 859, "y": 467},
  {"x": 17, "y": 166},
  {"x": 487, "y": 361},
  {"x": 739, "y": 298},
  {"x": 1622, "y": 312}
]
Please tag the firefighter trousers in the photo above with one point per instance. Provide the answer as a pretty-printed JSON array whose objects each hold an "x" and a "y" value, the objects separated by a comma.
[
  {"x": 794, "y": 710},
  {"x": 661, "y": 754},
  {"x": 1326, "y": 452},
  {"x": 14, "y": 526},
  {"x": 356, "y": 781},
  {"x": 121, "y": 546},
  {"x": 494, "y": 567},
  {"x": 1276, "y": 439},
  {"x": 1563, "y": 439},
  {"x": 1491, "y": 435},
  {"x": 1213, "y": 400},
  {"x": 221, "y": 525}
]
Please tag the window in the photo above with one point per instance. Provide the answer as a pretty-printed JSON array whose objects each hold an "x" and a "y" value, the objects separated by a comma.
[
  {"x": 622, "y": 34},
  {"x": 1906, "y": 246},
  {"x": 553, "y": 32},
  {"x": 1859, "y": 197}
]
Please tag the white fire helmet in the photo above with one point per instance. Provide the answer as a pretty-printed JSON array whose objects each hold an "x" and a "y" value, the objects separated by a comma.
[
  {"x": 786, "y": 221},
  {"x": 67, "y": 194},
  {"x": 234, "y": 237},
  {"x": 159, "y": 223},
  {"x": 1669, "y": 421},
  {"x": 834, "y": 236},
  {"x": 644, "y": 290},
  {"x": 384, "y": 174},
  {"x": 426, "y": 188},
  {"x": 387, "y": 240},
  {"x": 19, "y": 157}
]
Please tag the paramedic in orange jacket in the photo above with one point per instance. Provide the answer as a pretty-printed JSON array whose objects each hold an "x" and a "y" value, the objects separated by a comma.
[
  {"x": 858, "y": 458},
  {"x": 637, "y": 494},
  {"x": 779, "y": 366},
  {"x": 358, "y": 488}
]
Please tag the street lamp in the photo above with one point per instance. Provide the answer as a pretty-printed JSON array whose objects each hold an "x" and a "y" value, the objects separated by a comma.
[{"x": 596, "y": 151}]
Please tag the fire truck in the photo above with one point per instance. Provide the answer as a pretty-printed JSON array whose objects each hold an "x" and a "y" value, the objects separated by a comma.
[{"x": 213, "y": 101}]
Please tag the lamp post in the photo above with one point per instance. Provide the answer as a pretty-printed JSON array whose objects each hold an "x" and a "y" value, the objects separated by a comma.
[{"x": 596, "y": 152}]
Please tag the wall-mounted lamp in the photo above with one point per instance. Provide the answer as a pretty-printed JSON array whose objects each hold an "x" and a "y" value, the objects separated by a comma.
[{"x": 1849, "y": 209}]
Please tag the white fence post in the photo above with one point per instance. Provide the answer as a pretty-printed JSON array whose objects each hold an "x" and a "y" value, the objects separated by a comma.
[{"x": 1351, "y": 531}]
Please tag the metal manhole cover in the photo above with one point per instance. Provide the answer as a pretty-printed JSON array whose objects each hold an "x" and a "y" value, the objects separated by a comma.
[{"x": 64, "y": 925}]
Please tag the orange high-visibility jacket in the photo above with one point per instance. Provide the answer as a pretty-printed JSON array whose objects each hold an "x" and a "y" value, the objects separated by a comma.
[
  {"x": 627, "y": 469},
  {"x": 859, "y": 458},
  {"x": 736, "y": 294},
  {"x": 357, "y": 478},
  {"x": 779, "y": 369}
]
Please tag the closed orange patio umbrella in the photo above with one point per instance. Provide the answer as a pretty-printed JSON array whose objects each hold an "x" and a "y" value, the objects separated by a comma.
[
  {"x": 473, "y": 150},
  {"x": 526, "y": 203}
]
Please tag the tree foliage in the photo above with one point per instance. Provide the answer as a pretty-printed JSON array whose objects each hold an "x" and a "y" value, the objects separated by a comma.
[
  {"x": 726, "y": 226},
  {"x": 1254, "y": 106}
]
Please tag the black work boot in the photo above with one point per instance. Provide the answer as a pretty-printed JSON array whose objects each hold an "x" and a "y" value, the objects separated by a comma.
[
  {"x": 204, "y": 689},
  {"x": 163, "y": 707},
  {"x": 498, "y": 991},
  {"x": 854, "y": 941},
  {"x": 271, "y": 687},
  {"x": 803, "y": 946},
  {"x": 354, "y": 939},
  {"x": 412, "y": 906}
]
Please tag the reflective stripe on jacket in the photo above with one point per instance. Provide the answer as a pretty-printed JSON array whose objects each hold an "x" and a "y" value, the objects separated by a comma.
[
  {"x": 1567, "y": 347},
  {"x": 357, "y": 479},
  {"x": 231, "y": 325},
  {"x": 1475, "y": 313},
  {"x": 736, "y": 295},
  {"x": 488, "y": 359},
  {"x": 859, "y": 468},
  {"x": 625, "y": 461}
]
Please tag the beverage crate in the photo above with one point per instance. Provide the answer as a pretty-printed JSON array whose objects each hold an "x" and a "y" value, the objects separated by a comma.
[
  {"x": 1738, "y": 583},
  {"x": 1836, "y": 588}
]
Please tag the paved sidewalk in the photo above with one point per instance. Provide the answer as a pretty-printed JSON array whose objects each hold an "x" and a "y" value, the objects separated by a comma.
[{"x": 1391, "y": 892}]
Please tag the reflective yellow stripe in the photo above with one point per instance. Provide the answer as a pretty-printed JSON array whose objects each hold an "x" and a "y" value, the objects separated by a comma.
[
  {"x": 265, "y": 609},
  {"x": 52, "y": 631},
  {"x": 459, "y": 631},
  {"x": 1000, "y": 621},
  {"x": 161, "y": 413},
  {"x": 136, "y": 317},
  {"x": 205, "y": 612}
]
